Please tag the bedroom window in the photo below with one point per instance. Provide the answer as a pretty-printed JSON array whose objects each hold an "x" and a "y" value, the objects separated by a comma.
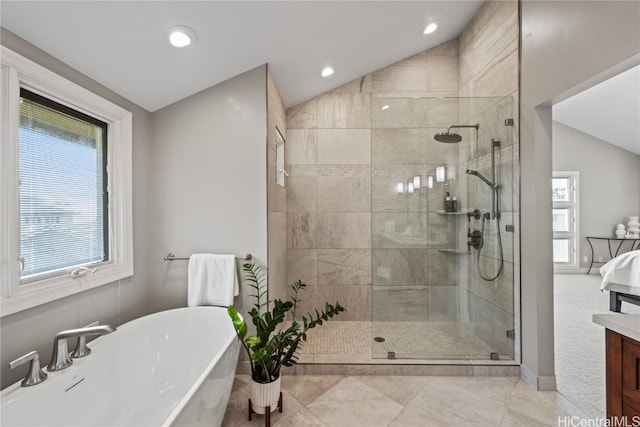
[
  {"x": 65, "y": 187},
  {"x": 565, "y": 220}
]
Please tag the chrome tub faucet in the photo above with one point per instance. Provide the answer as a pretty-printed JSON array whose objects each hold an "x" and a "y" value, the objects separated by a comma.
[
  {"x": 61, "y": 359},
  {"x": 35, "y": 374}
]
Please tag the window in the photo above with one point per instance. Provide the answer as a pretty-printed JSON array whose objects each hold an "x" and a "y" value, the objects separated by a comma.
[
  {"x": 565, "y": 219},
  {"x": 62, "y": 172},
  {"x": 65, "y": 187}
]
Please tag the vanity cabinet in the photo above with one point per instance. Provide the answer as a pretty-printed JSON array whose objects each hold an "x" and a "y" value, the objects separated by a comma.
[{"x": 623, "y": 376}]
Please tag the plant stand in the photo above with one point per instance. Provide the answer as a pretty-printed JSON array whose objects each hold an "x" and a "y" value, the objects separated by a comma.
[{"x": 267, "y": 411}]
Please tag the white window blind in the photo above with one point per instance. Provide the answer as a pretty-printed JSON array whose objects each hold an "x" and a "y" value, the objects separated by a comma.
[{"x": 63, "y": 198}]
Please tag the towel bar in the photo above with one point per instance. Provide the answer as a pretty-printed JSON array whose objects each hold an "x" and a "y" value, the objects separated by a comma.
[{"x": 172, "y": 257}]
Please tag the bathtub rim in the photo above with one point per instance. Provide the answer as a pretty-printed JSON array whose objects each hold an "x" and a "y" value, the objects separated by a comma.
[
  {"x": 205, "y": 373},
  {"x": 16, "y": 391}
]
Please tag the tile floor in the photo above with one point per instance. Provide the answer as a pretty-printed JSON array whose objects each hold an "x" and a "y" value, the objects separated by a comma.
[
  {"x": 406, "y": 401},
  {"x": 347, "y": 341}
]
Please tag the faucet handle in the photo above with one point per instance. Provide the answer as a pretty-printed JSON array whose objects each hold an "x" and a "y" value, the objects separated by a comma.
[
  {"x": 35, "y": 375},
  {"x": 81, "y": 347}
]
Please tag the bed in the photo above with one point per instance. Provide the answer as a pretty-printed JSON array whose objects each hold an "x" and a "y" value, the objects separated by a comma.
[{"x": 621, "y": 277}]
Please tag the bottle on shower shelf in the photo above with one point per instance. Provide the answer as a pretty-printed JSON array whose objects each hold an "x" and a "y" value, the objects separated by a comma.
[{"x": 450, "y": 203}]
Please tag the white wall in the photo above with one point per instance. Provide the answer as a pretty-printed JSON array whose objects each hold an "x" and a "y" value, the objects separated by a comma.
[
  {"x": 208, "y": 180},
  {"x": 560, "y": 51},
  {"x": 609, "y": 178},
  {"x": 114, "y": 303}
]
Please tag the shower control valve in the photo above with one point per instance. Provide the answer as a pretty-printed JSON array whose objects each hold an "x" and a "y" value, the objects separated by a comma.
[
  {"x": 476, "y": 214},
  {"x": 474, "y": 239}
]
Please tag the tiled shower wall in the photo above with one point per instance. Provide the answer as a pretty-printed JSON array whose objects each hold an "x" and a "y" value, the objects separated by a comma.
[
  {"x": 342, "y": 159},
  {"x": 340, "y": 167},
  {"x": 276, "y": 196},
  {"x": 488, "y": 65}
]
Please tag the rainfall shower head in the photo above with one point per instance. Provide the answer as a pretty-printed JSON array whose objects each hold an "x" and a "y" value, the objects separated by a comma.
[
  {"x": 449, "y": 137},
  {"x": 485, "y": 180}
]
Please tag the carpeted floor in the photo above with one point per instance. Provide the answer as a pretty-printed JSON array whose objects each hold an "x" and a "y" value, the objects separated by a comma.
[{"x": 579, "y": 343}]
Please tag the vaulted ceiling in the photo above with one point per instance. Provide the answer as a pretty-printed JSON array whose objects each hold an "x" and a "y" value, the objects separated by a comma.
[
  {"x": 609, "y": 111},
  {"x": 123, "y": 44}
]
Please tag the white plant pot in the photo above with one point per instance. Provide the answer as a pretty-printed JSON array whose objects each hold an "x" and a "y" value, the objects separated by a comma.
[{"x": 265, "y": 394}]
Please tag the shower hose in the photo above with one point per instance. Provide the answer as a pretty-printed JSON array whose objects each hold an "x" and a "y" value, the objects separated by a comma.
[{"x": 482, "y": 275}]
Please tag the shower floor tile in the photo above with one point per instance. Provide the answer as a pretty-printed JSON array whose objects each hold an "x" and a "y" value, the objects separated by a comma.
[{"x": 353, "y": 342}]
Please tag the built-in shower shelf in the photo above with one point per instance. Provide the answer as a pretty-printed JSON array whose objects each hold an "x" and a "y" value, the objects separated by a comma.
[
  {"x": 454, "y": 251},
  {"x": 453, "y": 213}
]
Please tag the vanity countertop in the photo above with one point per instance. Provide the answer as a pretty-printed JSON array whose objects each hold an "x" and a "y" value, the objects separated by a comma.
[{"x": 624, "y": 324}]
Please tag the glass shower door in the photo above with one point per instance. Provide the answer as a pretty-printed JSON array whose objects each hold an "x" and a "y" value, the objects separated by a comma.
[{"x": 425, "y": 302}]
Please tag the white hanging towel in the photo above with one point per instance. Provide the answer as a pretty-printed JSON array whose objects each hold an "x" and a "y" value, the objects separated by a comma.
[{"x": 213, "y": 280}]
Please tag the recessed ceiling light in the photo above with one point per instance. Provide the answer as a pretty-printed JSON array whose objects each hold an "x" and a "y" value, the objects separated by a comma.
[
  {"x": 181, "y": 36},
  {"x": 327, "y": 71},
  {"x": 385, "y": 107},
  {"x": 430, "y": 28}
]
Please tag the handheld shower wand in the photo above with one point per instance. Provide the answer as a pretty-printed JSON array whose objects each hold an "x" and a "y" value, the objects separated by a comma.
[
  {"x": 485, "y": 180},
  {"x": 495, "y": 201}
]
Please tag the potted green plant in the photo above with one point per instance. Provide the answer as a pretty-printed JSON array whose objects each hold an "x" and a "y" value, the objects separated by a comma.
[{"x": 275, "y": 343}]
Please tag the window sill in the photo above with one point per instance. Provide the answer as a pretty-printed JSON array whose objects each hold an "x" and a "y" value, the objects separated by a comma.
[{"x": 55, "y": 288}]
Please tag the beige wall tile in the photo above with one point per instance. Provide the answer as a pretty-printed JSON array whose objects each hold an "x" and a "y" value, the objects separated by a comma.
[
  {"x": 399, "y": 230},
  {"x": 441, "y": 112},
  {"x": 441, "y": 231},
  {"x": 443, "y": 303},
  {"x": 277, "y": 277},
  {"x": 498, "y": 292},
  {"x": 301, "y": 147},
  {"x": 501, "y": 78},
  {"x": 344, "y": 146},
  {"x": 277, "y": 229},
  {"x": 343, "y": 230},
  {"x": 301, "y": 193},
  {"x": 404, "y": 76},
  {"x": 344, "y": 194},
  {"x": 399, "y": 304},
  {"x": 302, "y": 265},
  {"x": 302, "y": 228},
  {"x": 344, "y": 110},
  {"x": 443, "y": 268},
  {"x": 307, "y": 299},
  {"x": 400, "y": 112},
  {"x": 355, "y": 299},
  {"x": 497, "y": 27},
  {"x": 399, "y": 267},
  {"x": 399, "y": 146},
  {"x": 420, "y": 112},
  {"x": 303, "y": 116},
  {"x": 491, "y": 323},
  {"x": 276, "y": 194},
  {"x": 386, "y": 198},
  {"x": 344, "y": 266},
  {"x": 441, "y": 73}
]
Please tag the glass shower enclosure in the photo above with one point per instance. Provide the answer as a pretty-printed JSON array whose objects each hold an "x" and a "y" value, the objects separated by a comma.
[{"x": 444, "y": 228}]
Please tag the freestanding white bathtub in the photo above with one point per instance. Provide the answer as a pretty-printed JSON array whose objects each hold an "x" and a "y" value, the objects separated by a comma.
[{"x": 172, "y": 368}]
